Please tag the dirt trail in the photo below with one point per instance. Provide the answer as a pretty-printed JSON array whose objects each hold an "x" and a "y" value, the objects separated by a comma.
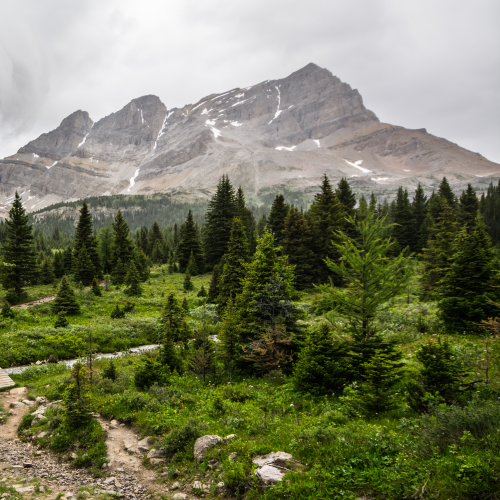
[{"x": 27, "y": 468}]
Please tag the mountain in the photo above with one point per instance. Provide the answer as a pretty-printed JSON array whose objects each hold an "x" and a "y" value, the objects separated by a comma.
[{"x": 278, "y": 134}]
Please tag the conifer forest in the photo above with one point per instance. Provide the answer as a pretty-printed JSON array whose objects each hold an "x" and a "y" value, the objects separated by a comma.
[{"x": 360, "y": 337}]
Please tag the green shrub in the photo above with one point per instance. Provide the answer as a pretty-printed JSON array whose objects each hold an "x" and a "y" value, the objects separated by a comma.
[
  {"x": 133, "y": 400},
  {"x": 182, "y": 438},
  {"x": 236, "y": 394},
  {"x": 110, "y": 371},
  {"x": 150, "y": 372}
]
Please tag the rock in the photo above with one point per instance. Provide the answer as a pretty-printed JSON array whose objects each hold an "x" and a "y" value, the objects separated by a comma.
[
  {"x": 175, "y": 486},
  {"x": 179, "y": 496},
  {"x": 52, "y": 359},
  {"x": 39, "y": 363},
  {"x": 114, "y": 424},
  {"x": 42, "y": 434},
  {"x": 229, "y": 438},
  {"x": 41, "y": 489},
  {"x": 12, "y": 412},
  {"x": 145, "y": 443},
  {"x": 271, "y": 458},
  {"x": 128, "y": 444},
  {"x": 143, "y": 449},
  {"x": 157, "y": 461},
  {"x": 27, "y": 402},
  {"x": 132, "y": 451},
  {"x": 233, "y": 456},
  {"x": 156, "y": 453},
  {"x": 23, "y": 489},
  {"x": 212, "y": 464},
  {"x": 109, "y": 480},
  {"x": 38, "y": 418},
  {"x": 41, "y": 400},
  {"x": 203, "y": 444},
  {"x": 17, "y": 404},
  {"x": 27, "y": 465},
  {"x": 74, "y": 456},
  {"x": 269, "y": 475},
  {"x": 18, "y": 391}
]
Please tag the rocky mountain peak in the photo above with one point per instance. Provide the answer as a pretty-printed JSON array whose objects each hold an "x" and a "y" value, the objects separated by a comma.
[{"x": 61, "y": 141}]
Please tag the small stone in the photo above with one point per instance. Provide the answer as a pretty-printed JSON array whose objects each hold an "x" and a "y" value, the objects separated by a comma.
[
  {"x": 179, "y": 496},
  {"x": 145, "y": 443},
  {"x": 85, "y": 493},
  {"x": 42, "y": 434},
  {"x": 221, "y": 486},
  {"x": 27, "y": 465},
  {"x": 41, "y": 489},
  {"x": 175, "y": 486},
  {"x": 74, "y": 456},
  {"x": 229, "y": 438},
  {"x": 109, "y": 480},
  {"x": 157, "y": 461},
  {"x": 114, "y": 424},
  {"x": 156, "y": 453},
  {"x": 212, "y": 464},
  {"x": 12, "y": 412},
  {"x": 233, "y": 456},
  {"x": 144, "y": 449},
  {"x": 203, "y": 444}
]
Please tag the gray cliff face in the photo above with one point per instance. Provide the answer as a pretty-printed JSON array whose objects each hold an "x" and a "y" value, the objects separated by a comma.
[
  {"x": 63, "y": 140},
  {"x": 277, "y": 134}
]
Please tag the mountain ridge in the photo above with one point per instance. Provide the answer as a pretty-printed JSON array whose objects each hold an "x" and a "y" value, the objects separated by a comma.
[{"x": 277, "y": 134}]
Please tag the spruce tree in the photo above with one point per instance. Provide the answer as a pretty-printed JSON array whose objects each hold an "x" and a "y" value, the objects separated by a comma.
[
  {"x": 117, "y": 313},
  {"x": 233, "y": 272},
  {"x": 327, "y": 216},
  {"x": 83, "y": 267},
  {"x": 213, "y": 289},
  {"x": 346, "y": 197},
  {"x": 276, "y": 219},
  {"x": 446, "y": 192},
  {"x": 121, "y": 248},
  {"x": 172, "y": 317},
  {"x": 323, "y": 363},
  {"x": 261, "y": 226},
  {"x": 439, "y": 375},
  {"x": 298, "y": 244},
  {"x": 470, "y": 283},
  {"x": 403, "y": 230},
  {"x": 219, "y": 218},
  {"x": 65, "y": 301},
  {"x": 96, "y": 289},
  {"x": 185, "y": 304},
  {"x": 373, "y": 279},
  {"x": 419, "y": 209},
  {"x": 58, "y": 265},
  {"x": 7, "y": 311},
  {"x": 19, "y": 262},
  {"x": 61, "y": 321},
  {"x": 68, "y": 260},
  {"x": 202, "y": 293},
  {"x": 229, "y": 346},
  {"x": 105, "y": 241},
  {"x": 141, "y": 263},
  {"x": 190, "y": 243},
  {"x": 154, "y": 236},
  {"x": 46, "y": 275},
  {"x": 437, "y": 254},
  {"x": 119, "y": 273},
  {"x": 187, "y": 284},
  {"x": 467, "y": 208},
  {"x": 85, "y": 238},
  {"x": 192, "y": 268},
  {"x": 133, "y": 281}
]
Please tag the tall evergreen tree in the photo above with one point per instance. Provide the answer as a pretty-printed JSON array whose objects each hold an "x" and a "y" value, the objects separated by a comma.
[
  {"x": 85, "y": 237},
  {"x": 122, "y": 247},
  {"x": 19, "y": 264},
  {"x": 233, "y": 271},
  {"x": 327, "y": 216},
  {"x": 298, "y": 244},
  {"x": 190, "y": 243},
  {"x": 133, "y": 281},
  {"x": 192, "y": 267},
  {"x": 346, "y": 197},
  {"x": 65, "y": 301},
  {"x": 447, "y": 193},
  {"x": 213, "y": 289},
  {"x": 277, "y": 216},
  {"x": 419, "y": 209},
  {"x": 229, "y": 346},
  {"x": 219, "y": 218},
  {"x": 68, "y": 260},
  {"x": 470, "y": 284},
  {"x": 467, "y": 207},
  {"x": 119, "y": 273},
  {"x": 83, "y": 268},
  {"x": 58, "y": 265},
  {"x": 402, "y": 217},
  {"x": 172, "y": 319},
  {"x": 438, "y": 251},
  {"x": 155, "y": 237},
  {"x": 46, "y": 275},
  {"x": 261, "y": 225},
  {"x": 105, "y": 239}
]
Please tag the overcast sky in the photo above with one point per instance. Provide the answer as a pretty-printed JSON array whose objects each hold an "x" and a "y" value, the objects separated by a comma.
[{"x": 417, "y": 63}]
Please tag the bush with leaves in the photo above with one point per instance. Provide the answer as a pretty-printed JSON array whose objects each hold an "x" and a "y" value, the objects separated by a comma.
[
  {"x": 117, "y": 313},
  {"x": 7, "y": 311},
  {"x": 110, "y": 371},
  {"x": 76, "y": 398},
  {"x": 61, "y": 321},
  {"x": 149, "y": 372}
]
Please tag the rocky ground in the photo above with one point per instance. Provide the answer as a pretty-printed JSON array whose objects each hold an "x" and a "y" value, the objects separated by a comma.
[{"x": 30, "y": 471}]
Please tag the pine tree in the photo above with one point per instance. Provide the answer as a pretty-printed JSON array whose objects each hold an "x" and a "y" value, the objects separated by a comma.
[
  {"x": 419, "y": 209},
  {"x": 470, "y": 283},
  {"x": 213, "y": 289},
  {"x": 157, "y": 255},
  {"x": 185, "y": 304},
  {"x": 68, "y": 260},
  {"x": 61, "y": 321},
  {"x": 154, "y": 236},
  {"x": 202, "y": 293},
  {"x": 323, "y": 363},
  {"x": 19, "y": 263},
  {"x": 187, "y": 284},
  {"x": 122, "y": 248},
  {"x": 372, "y": 278},
  {"x": 346, "y": 197},
  {"x": 172, "y": 317},
  {"x": 105, "y": 242},
  {"x": 46, "y": 274},
  {"x": 141, "y": 263},
  {"x": 219, "y": 218},
  {"x": 190, "y": 243},
  {"x": 261, "y": 225},
  {"x": 229, "y": 346},
  {"x": 277, "y": 216},
  {"x": 96, "y": 289},
  {"x": 372, "y": 206},
  {"x": 109, "y": 371},
  {"x": 327, "y": 216},
  {"x": 117, "y": 313},
  {"x": 437, "y": 254},
  {"x": 119, "y": 273},
  {"x": 467, "y": 208},
  {"x": 58, "y": 265},
  {"x": 83, "y": 267},
  {"x": 233, "y": 272},
  {"x": 404, "y": 226},
  {"x": 65, "y": 301},
  {"x": 85, "y": 238},
  {"x": 446, "y": 192},
  {"x": 440, "y": 375},
  {"x": 133, "y": 281},
  {"x": 376, "y": 394},
  {"x": 192, "y": 268},
  {"x": 298, "y": 245}
]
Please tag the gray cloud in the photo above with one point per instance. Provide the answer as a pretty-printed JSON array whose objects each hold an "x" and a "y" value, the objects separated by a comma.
[{"x": 424, "y": 63}]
